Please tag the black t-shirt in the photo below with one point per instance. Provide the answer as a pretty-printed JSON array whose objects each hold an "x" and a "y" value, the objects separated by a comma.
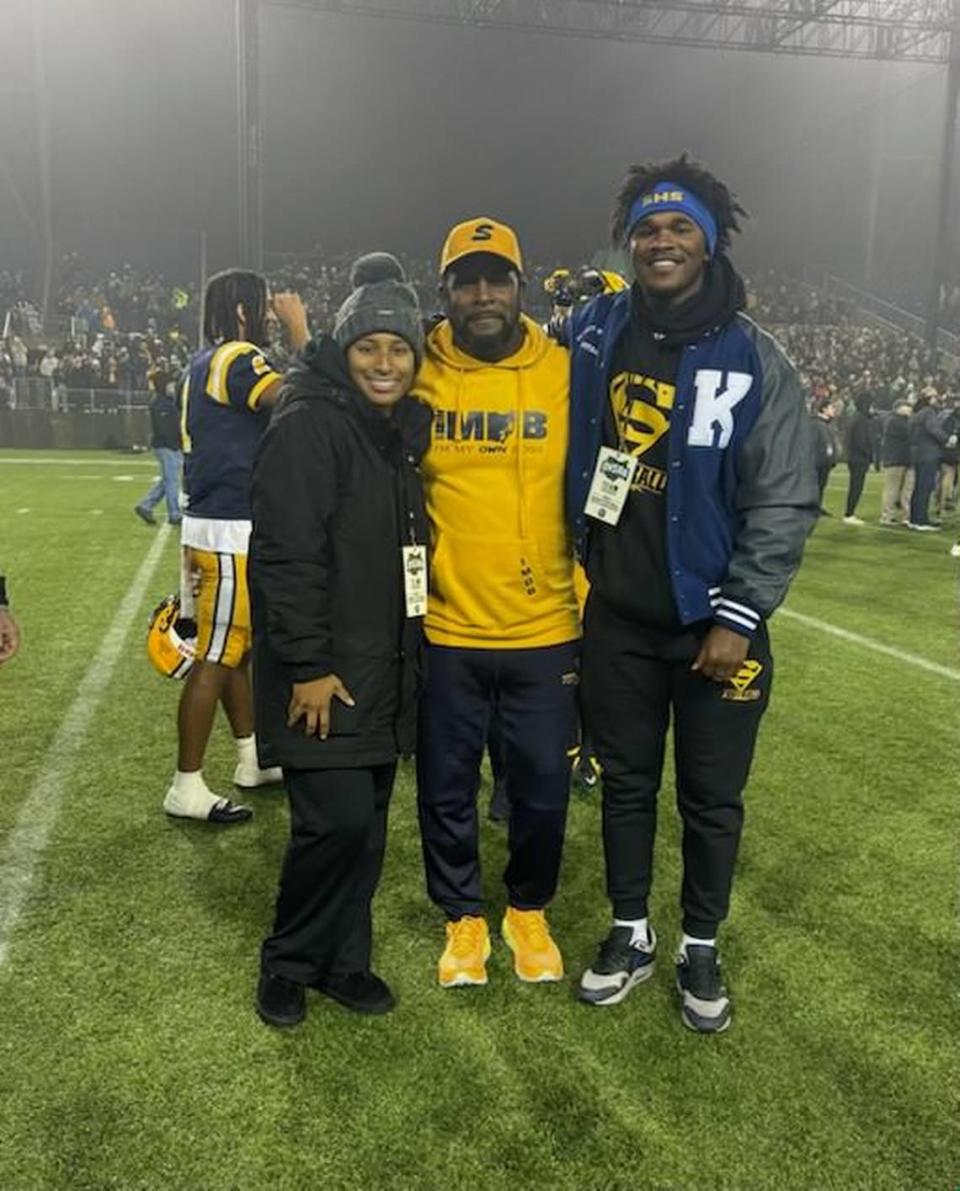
[{"x": 627, "y": 564}]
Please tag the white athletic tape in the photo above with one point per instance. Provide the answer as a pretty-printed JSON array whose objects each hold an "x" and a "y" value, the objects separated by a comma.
[{"x": 28, "y": 840}]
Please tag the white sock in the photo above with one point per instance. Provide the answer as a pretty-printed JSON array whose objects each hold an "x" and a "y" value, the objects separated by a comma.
[
  {"x": 190, "y": 795},
  {"x": 638, "y": 926},
  {"x": 690, "y": 941},
  {"x": 247, "y": 749}
]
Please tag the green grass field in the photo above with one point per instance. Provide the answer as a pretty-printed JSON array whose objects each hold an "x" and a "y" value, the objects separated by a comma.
[{"x": 130, "y": 1055}]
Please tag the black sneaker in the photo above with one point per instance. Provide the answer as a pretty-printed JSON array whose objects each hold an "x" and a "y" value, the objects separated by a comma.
[
  {"x": 360, "y": 991},
  {"x": 586, "y": 773},
  {"x": 280, "y": 1002},
  {"x": 145, "y": 515},
  {"x": 704, "y": 1003},
  {"x": 620, "y": 966},
  {"x": 227, "y": 812}
]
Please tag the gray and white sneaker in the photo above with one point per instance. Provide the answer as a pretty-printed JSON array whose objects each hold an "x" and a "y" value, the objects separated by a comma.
[
  {"x": 620, "y": 966},
  {"x": 704, "y": 1003}
]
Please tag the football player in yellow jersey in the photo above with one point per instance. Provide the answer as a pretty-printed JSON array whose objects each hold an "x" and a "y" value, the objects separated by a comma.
[{"x": 225, "y": 401}]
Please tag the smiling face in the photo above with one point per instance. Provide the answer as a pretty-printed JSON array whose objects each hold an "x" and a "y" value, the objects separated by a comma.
[
  {"x": 669, "y": 255},
  {"x": 382, "y": 366}
]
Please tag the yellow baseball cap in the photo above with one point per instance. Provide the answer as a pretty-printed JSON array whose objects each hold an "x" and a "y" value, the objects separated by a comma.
[{"x": 481, "y": 235}]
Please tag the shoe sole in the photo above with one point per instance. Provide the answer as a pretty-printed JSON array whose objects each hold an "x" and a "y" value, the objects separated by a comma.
[
  {"x": 464, "y": 979},
  {"x": 280, "y": 1023},
  {"x": 366, "y": 1010},
  {"x": 702, "y": 1029},
  {"x": 214, "y": 822},
  {"x": 543, "y": 978},
  {"x": 585, "y": 996},
  {"x": 695, "y": 1029}
]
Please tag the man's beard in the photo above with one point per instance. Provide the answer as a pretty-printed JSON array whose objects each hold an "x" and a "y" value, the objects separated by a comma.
[{"x": 488, "y": 344}]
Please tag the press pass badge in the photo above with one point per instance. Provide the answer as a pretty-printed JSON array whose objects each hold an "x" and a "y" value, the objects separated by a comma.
[
  {"x": 610, "y": 485},
  {"x": 415, "y": 579}
]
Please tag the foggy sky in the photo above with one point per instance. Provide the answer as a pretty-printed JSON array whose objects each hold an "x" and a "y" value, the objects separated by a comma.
[{"x": 381, "y": 134}]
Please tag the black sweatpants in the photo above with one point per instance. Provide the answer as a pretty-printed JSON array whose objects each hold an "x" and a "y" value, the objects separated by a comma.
[
  {"x": 823, "y": 475},
  {"x": 338, "y": 831},
  {"x": 532, "y": 693},
  {"x": 858, "y": 473},
  {"x": 633, "y": 677}
]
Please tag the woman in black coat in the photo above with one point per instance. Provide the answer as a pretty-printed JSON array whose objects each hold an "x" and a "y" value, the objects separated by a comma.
[{"x": 338, "y": 589}]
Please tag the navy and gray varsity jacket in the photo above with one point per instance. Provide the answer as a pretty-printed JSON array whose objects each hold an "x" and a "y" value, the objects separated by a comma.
[{"x": 742, "y": 492}]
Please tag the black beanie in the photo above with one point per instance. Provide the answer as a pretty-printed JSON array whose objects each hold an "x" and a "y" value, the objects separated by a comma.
[{"x": 381, "y": 301}]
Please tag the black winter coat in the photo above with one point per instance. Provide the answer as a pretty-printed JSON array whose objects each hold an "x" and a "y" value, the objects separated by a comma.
[
  {"x": 336, "y": 493},
  {"x": 861, "y": 439},
  {"x": 165, "y": 423},
  {"x": 827, "y": 443},
  {"x": 927, "y": 436},
  {"x": 895, "y": 448}
]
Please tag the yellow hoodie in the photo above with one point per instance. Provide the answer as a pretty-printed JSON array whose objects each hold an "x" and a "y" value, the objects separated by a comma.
[{"x": 502, "y": 568}]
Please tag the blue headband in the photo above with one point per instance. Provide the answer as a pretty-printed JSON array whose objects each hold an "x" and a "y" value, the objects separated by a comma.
[{"x": 669, "y": 196}]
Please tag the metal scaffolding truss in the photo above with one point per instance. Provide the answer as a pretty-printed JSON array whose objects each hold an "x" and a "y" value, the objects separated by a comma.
[{"x": 887, "y": 30}]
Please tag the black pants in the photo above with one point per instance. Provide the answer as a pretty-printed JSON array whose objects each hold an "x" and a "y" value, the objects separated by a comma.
[
  {"x": 532, "y": 693},
  {"x": 338, "y": 831},
  {"x": 823, "y": 474},
  {"x": 632, "y": 678},
  {"x": 925, "y": 481},
  {"x": 858, "y": 473}
]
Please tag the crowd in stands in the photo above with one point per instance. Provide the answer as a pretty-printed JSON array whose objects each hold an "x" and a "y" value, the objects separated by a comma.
[{"x": 131, "y": 331}]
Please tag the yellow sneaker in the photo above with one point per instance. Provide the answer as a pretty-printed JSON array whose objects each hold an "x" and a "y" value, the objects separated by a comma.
[
  {"x": 464, "y": 959},
  {"x": 536, "y": 958}
]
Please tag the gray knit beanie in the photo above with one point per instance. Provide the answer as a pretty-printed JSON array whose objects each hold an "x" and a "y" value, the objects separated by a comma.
[{"x": 381, "y": 301}]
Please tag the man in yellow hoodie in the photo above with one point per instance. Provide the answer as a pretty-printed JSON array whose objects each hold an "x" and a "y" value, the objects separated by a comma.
[{"x": 502, "y": 621}]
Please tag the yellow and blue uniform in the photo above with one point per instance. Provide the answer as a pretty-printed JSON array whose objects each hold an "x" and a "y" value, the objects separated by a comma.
[{"x": 221, "y": 422}]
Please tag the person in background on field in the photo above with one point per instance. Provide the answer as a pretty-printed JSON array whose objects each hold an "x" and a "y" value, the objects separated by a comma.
[
  {"x": 827, "y": 446},
  {"x": 860, "y": 448},
  {"x": 9, "y": 630},
  {"x": 338, "y": 585},
  {"x": 945, "y": 493},
  {"x": 691, "y": 487},
  {"x": 927, "y": 440},
  {"x": 165, "y": 441},
  {"x": 225, "y": 400},
  {"x": 897, "y": 471}
]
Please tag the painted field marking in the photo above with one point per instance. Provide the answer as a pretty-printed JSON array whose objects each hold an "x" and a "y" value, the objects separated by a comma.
[
  {"x": 22, "y": 511},
  {"x": 144, "y": 461},
  {"x": 28, "y": 840},
  {"x": 901, "y": 655}
]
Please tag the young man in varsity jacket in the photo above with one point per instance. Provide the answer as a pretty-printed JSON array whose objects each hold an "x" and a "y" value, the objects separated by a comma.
[{"x": 691, "y": 486}]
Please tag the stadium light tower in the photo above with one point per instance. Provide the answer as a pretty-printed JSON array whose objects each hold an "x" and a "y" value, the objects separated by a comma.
[{"x": 249, "y": 134}]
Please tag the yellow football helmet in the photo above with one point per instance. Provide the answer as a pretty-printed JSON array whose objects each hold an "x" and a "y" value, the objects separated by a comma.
[
  {"x": 613, "y": 283},
  {"x": 592, "y": 282},
  {"x": 171, "y": 639},
  {"x": 557, "y": 282}
]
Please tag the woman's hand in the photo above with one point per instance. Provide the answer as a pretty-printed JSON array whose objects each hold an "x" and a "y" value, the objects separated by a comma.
[{"x": 311, "y": 700}]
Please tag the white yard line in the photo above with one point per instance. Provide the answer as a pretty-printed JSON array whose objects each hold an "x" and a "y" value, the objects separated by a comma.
[
  {"x": 27, "y": 842},
  {"x": 901, "y": 655},
  {"x": 144, "y": 460}
]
